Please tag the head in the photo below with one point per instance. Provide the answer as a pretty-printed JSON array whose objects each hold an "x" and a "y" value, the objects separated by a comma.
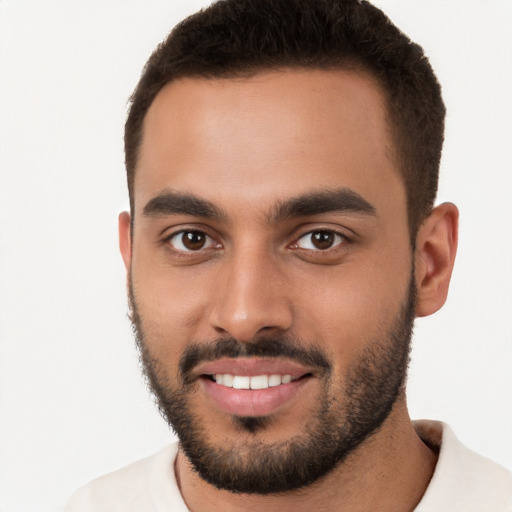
[
  {"x": 282, "y": 160},
  {"x": 240, "y": 38}
]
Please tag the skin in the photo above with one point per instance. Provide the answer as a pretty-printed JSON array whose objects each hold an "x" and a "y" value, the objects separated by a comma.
[{"x": 246, "y": 145}]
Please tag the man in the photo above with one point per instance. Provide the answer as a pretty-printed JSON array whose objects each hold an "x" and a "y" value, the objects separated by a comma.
[{"x": 282, "y": 160}]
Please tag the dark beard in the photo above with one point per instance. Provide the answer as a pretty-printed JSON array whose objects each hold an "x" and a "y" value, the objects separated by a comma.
[{"x": 344, "y": 419}]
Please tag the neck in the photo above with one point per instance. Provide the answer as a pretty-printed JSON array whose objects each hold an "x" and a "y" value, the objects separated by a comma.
[{"x": 392, "y": 469}]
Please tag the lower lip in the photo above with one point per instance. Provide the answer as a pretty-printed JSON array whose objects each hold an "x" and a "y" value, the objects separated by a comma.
[{"x": 248, "y": 402}]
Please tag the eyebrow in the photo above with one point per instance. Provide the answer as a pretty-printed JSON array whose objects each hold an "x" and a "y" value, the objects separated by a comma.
[
  {"x": 342, "y": 200},
  {"x": 176, "y": 203}
]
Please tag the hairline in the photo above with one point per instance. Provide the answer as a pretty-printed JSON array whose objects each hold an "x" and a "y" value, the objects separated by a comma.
[{"x": 350, "y": 64}]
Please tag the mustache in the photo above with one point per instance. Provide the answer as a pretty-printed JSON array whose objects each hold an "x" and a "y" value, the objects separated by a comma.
[{"x": 197, "y": 353}]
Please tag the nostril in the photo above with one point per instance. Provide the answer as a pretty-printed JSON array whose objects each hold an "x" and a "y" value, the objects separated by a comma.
[{"x": 238, "y": 317}]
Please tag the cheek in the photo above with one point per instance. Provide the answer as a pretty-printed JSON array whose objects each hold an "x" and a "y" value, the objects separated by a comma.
[
  {"x": 170, "y": 306},
  {"x": 347, "y": 309}
]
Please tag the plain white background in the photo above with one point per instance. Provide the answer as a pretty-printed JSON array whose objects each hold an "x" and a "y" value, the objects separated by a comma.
[{"x": 72, "y": 402}]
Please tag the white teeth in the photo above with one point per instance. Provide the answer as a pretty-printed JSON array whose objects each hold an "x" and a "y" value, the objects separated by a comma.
[
  {"x": 256, "y": 382},
  {"x": 274, "y": 380},
  {"x": 227, "y": 380},
  {"x": 259, "y": 382},
  {"x": 240, "y": 382}
]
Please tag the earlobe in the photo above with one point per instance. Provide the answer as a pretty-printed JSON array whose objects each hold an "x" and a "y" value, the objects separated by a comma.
[
  {"x": 125, "y": 242},
  {"x": 436, "y": 246}
]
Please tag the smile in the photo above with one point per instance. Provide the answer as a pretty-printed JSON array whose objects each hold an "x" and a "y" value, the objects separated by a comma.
[
  {"x": 255, "y": 382},
  {"x": 252, "y": 386}
]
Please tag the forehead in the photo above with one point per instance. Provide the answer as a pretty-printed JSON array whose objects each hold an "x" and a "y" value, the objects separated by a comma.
[{"x": 259, "y": 139}]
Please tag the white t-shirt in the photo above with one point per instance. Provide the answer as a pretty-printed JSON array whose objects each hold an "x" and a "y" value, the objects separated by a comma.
[{"x": 462, "y": 482}]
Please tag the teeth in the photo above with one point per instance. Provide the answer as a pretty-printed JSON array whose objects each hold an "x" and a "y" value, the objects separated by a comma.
[
  {"x": 256, "y": 382},
  {"x": 274, "y": 380},
  {"x": 259, "y": 382},
  {"x": 227, "y": 380},
  {"x": 241, "y": 382}
]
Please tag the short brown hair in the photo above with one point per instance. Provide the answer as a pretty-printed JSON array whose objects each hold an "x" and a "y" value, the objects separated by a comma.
[{"x": 241, "y": 37}]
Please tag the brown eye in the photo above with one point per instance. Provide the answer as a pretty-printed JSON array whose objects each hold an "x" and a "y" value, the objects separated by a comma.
[
  {"x": 188, "y": 241},
  {"x": 193, "y": 240},
  {"x": 320, "y": 240}
]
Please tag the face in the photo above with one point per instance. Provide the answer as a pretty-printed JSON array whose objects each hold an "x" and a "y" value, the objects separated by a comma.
[{"x": 270, "y": 272}]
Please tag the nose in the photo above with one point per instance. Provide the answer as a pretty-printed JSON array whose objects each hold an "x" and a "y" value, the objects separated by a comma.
[{"x": 251, "y": 298}]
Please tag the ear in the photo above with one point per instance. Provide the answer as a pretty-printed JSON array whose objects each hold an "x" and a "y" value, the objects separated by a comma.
[
  {"x": 436, "y": 246},
  {"x": 125, "y": 239}
]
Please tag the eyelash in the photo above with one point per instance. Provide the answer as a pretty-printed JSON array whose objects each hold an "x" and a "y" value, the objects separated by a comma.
[
  {"x": 339, "y": 239},
  {"x": 190, "y": 252}
]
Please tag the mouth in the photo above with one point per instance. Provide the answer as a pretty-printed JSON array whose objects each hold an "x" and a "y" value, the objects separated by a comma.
[
  {"x": 255, "y": 382},
  {"x": 252, "y": 387}
]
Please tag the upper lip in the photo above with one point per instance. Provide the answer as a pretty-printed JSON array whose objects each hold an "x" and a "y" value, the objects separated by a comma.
[{"x": 251, "y": 367}]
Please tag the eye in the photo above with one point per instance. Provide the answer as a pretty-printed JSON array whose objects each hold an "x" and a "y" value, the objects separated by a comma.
[
  {"x": 190, "y": 241},
  {"x": 320, "y": 240}
]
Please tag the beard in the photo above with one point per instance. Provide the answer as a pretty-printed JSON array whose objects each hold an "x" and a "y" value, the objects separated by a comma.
[{"x": 347, "y": 414}]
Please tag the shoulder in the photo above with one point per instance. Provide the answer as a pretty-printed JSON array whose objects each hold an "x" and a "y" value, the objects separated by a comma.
[
  {"x": 143, "y": 485},
  {"x": 462, "y": 480}
]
